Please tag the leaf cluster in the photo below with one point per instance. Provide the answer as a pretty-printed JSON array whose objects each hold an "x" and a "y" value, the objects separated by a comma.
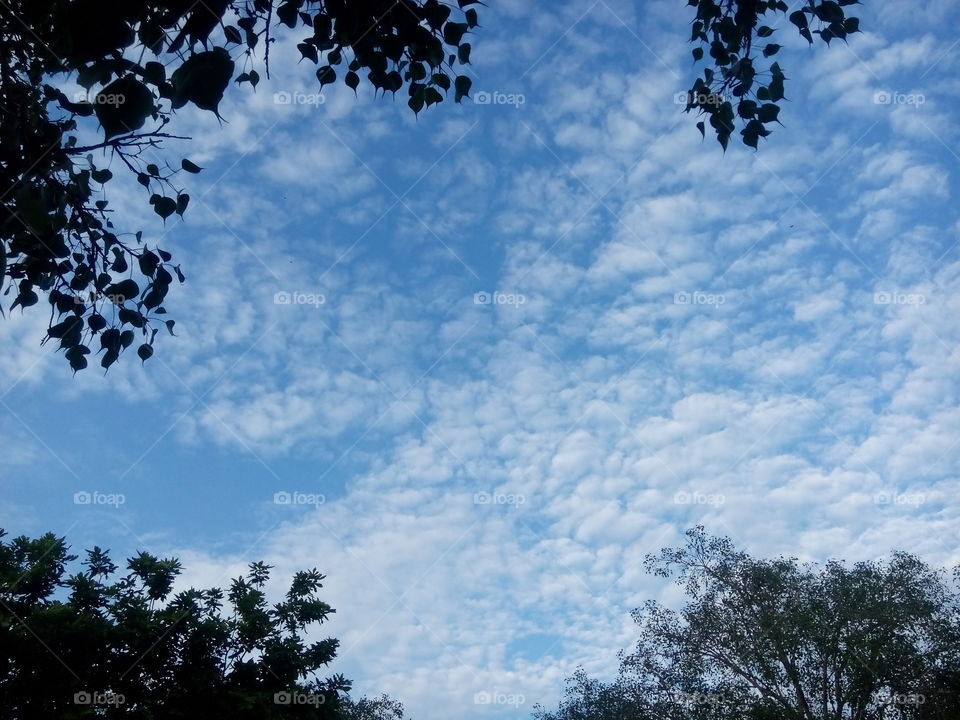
[
  {"x": 741, "y": 89},
  {"x": 185, "y": 654},
  {"x": 774, "y": 639},
  {"x": 140, "y": 61}
]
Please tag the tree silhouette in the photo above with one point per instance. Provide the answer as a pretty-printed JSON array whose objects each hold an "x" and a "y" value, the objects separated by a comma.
[
  {"x": 776, "y": 639},
  {"x": 97, "y": 644}
]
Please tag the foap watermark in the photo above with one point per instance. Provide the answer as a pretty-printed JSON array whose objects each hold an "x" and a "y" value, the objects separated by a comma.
[
  {"x": 98, "y": 498},
  {"x": 93, "y": 297},
  {"x": 698, "y": 498},
  {"x": 298, "y": 98},
  {"x": 699, "y": 99},
  {"x": 899, "y": 298},
  {"x": 894, "y": 498},
  {"x": 698, "y": 297},
  {"x": 891, "y": 698},
  {"x": 498, "y": 298},
  {"x": 299, "y": 298},
  {"x": 298, "y": 498},
  {"x": 888, "y": 97},
  {"x": 499, "y": 698},
  {"x": 498, "y": 498},
  {"x": 112, "y": 99},
  {"x": 85, "y": 697},
  {"x": 495, "y": 97},
  {"x": 294, "y": 697}
]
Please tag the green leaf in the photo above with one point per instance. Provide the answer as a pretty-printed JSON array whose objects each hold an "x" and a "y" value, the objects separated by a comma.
[
  {"x": 151, "y": 35},
  {"x": 416, "y": 102},
  {"x": 287, "y": 13},
  {"x": 123, "y": 106},
  {"x": 63, "y": 328},
  {"x": 829, "y": 11},
  {"x": 308, "y": 51},
  {"x": 25, "y": 298},
  {"x": 775, "y": 88},
  {"x": 326, "y": 75},
  {"x": 154, "y": 73},
  {"x": 462, "y": 86},
  {"x": 101, "y": 176},
  {"x": 453, "y": 32},
  {"x": 144, "y": 352},
  {"x": 164, "y": 206},
  {"x": 109, "y": 358},
  {"x": 75, "y": 356},
  {"x": 755, "y": 127},
  {"x": 233, "y": 35},
  {"x": 148, "y": 262},
  {"x": 122, "y": 291},
  {"x": 771, "y": 49},
  {"x": 768, "y": 113},
  {"x": 131, "y": 317},
  {"x": 202, "y": 80},
  {"x": 190, "y": 167},
  {"x": 96, "y": 322},
  {"x": 418, "y": 71}
]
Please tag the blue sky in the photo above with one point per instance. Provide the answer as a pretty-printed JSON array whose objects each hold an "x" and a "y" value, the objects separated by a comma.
[{"x": 766, "y": 343}]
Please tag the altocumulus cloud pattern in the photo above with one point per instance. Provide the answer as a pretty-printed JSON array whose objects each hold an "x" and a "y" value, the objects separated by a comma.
[{"x": 473, "y": 365}]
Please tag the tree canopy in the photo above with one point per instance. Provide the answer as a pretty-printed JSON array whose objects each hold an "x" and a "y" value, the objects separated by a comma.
[
  {"x": 141, "y": 60},
  {"x": 97, "y": 643},
  {"x": 780, "y": 640}
]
